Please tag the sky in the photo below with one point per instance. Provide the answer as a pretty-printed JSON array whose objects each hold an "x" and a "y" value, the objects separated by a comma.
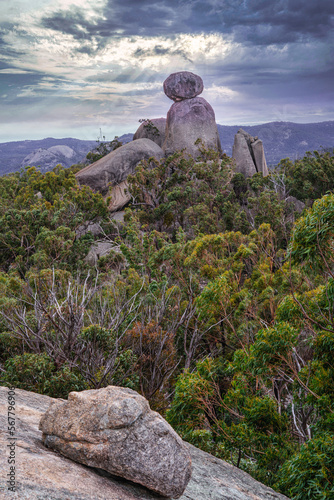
[{"x": 91, "y": 68}]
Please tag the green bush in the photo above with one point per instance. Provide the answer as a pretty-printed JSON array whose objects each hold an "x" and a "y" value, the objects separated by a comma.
[
  {"x": 38, "y": 373},
  {"x": 310, "y": 473}
]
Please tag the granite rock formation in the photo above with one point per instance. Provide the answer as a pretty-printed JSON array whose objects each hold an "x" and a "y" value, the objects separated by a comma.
[
  {"x": 190, "y": 117},
  {"x": 248, "y": 154},
  {"x": 114, "y": 429},
  {"x": 49, "y": 475},
  {"x": 187, "y": 121},
  {"x": 183, "y": 85},
  {"x": 115, "y": 167},
  {"x": 152, "y": 129}
]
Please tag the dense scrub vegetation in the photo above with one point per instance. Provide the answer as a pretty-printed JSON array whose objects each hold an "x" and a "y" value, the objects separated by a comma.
[{"x": 216, "y": 303}]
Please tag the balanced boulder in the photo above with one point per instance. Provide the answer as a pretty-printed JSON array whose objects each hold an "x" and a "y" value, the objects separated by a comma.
[
  {"x": 115, "y": 167},
  {"x": 152, "y": 129},
  {"x": 187, "y": 121},
  {"x": 248, "y": 154},
  {"x": 114, "y": 429},
  {"x": 183, "y": 85}
]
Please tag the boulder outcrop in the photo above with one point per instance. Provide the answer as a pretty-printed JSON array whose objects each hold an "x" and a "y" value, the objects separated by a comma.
[
  {"x": 44, "y": 474},
  {"x": 297, "y": 205},
  {"x": 100, "y": 249},
  {"x": 114, "y": 429},
  {"x": 114, "y": 168},
  {"x": 183, "y": 85},
  {"x": 248, "y": 154},
  {"x": 152, "y": 129},
  {"x": 187, "y": 121}
]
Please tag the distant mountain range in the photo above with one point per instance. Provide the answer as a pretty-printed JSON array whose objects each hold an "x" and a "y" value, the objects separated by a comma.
[
  {"x": 280, "y": 140},
  {"x": 45, "y": 153}
]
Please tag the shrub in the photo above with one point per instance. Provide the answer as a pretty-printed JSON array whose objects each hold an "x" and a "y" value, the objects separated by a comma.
[
  {"x": 38, "y": 373},
  {"x": 310, "y": 473}
]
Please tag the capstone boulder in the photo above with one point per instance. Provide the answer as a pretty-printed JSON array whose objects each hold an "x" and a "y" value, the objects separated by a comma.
[
  {"x": 114, "y": 429},
  {"x": 183, "y": 85}
]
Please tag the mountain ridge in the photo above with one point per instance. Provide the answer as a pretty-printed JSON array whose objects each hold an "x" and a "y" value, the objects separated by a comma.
[{"x": 280, "y": 140}]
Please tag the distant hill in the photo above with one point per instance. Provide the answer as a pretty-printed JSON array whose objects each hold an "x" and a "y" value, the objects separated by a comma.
[
  {"x": 46, "y": 153},
  {"x": 280, "y": 140}
]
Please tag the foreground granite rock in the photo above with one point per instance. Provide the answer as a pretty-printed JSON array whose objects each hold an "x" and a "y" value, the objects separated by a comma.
[
  {"x": 114, "y": 429},
  {"x": 115, "y": 167},
  {"x": 45, "y": 474}
]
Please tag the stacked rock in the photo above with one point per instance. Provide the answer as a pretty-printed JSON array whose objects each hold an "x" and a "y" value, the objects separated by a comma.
[{"x": 190, "y": 117}]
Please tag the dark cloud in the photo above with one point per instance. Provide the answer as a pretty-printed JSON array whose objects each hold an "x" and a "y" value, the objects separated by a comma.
[
  {"x": 258, "y": 22},
  {"x": 255, "y": 24},
  {"x": 158, "y": 50},
  {"x": 21, "y": 88},
  {"x": 265, "y": 22},
  {"x": 284, "y": 54},
  {"x": 126, "y": 18},
  {"x": 71, "y": 22},
  {"x": 13, "y": 84},
  {"x": 86, "y": 49}
]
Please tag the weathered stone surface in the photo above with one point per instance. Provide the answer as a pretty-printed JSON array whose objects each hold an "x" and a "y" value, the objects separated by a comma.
[
  {"x": 183, "y": 85},
  {"x": 114, "y": 429},
  {"x": 119, "y": 196},
  {"x": 214, "y": 479},
  {"x": 259, "y": 157},
  {"x": 248, "y": 154},
  {"x": 118, "y": 216},
  {"x": 100, "y": 249},
  {"x": 44, "y": 474},
  {"x": 153, "y": 129},
  {"x": 41, "y": 473},
  {"x": 244, "y": 163},
  {"x": 297, "y": 204},
  {"x": 117, "y": 165},
  {"x": 188, "y": 121},
  {"x": 294, "y": 207},
  {"x": 89, "y": 227}
]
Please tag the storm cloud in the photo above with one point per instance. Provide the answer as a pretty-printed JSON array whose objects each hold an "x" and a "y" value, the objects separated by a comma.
[
  {"x": 93, "y": 63},
  {"x": 254, "y": 21}
]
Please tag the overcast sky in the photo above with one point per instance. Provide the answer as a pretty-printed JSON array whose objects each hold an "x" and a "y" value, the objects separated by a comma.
[{"x": 69, "y": 68}]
